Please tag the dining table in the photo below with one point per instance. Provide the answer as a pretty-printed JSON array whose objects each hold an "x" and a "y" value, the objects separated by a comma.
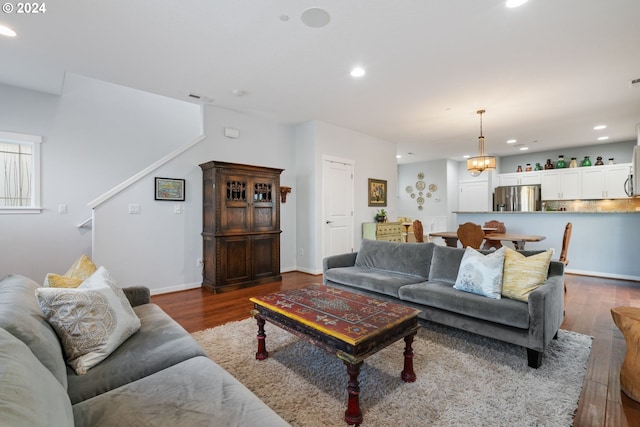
[{"x": 518, "y": 240}]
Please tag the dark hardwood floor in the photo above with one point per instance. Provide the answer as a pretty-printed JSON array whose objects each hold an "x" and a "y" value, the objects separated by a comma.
[{"x": 588, "y": 304}]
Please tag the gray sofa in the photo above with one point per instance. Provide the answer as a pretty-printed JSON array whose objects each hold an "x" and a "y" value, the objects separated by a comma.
[
  {"x": 159, "y": 376},
  {"x": 422, "y": 276}
]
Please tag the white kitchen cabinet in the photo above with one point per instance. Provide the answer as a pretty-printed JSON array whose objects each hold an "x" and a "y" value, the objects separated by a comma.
[
  {"x": 604, "y": 182},
  {"x": 562, "y": 184},
  {"x": 519, "y": 178}
]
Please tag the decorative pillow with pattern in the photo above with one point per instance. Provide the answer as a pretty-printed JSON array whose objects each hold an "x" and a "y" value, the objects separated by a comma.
[
  {"x": 523, "y": 275},
  {"x": 91, "y": 320},
  {"x": 81, "y": 270},
  {"x": 481, "y": 274}
]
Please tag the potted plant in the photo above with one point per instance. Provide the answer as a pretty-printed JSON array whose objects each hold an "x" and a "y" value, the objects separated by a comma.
[{"x": 381, "y": 215}]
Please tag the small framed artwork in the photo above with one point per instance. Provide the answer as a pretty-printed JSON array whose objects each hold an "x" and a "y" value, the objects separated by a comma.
[
  {"x": 171, "y": 189},
  {"x": 377, "y": 192}
]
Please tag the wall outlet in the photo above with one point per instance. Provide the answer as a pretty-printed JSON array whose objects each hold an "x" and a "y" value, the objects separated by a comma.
[
  {"x": 177, "y": 209},
  {"x": 199, "y": 262},
  {"x": 62, "y": 209}
]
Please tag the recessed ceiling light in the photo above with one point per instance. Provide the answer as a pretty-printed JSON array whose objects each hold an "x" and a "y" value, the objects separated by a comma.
[
  {"x": 524, "y": 148},
  {"x": 358, "y": 72},
  {"x": 466, "y": 156},
  {"x": 398, "y": 156},
  {"x": 515, "y": 3},
  {"x": 6, "y": 31},
  {"x": 511, "y": 141},
  {"x": 603, "y": 138},
  {"x": 599, "y": 127},
  {"x": 315, "y": 17}
]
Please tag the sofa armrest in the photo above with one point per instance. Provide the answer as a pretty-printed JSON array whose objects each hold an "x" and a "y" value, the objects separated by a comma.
[
  {"x": 337, "y": 261},
  {"x": 546, "y": 310},
  {"x": 137, "y": 295}
]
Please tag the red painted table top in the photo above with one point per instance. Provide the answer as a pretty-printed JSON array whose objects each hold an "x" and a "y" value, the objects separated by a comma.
[{"x": 345, "y": 315}]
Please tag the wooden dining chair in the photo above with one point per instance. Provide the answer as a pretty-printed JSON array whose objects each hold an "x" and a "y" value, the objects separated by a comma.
[
  {"x": 500, "y": 228},
  {"x": 418, "y": 231},
  {"x": 470, "y": 234},
  {"x": 565, "y": 247},
  {"x": 565, "y": 244}
]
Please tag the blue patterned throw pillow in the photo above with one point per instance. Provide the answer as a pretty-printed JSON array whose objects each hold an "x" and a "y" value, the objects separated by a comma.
[{"x": 481, "y": 274}]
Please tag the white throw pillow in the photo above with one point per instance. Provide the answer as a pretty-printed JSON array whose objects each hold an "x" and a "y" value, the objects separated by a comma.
[
  {"x": 91, "y": 320},
  {"x": 481, "y": 274}
]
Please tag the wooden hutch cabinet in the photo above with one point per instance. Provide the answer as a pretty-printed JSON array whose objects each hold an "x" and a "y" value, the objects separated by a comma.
[{"x": 241, "y": 225}]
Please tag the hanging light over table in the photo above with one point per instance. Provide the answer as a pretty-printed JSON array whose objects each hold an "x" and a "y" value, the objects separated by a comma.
[{"x": 481, "y": 162}]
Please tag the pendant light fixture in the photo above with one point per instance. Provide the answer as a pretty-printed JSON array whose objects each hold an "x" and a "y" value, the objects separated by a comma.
[{"x": 481, "y": 162}]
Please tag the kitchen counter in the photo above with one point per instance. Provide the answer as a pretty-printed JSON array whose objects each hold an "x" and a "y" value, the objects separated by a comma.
[{"x": 604, "y": 243}]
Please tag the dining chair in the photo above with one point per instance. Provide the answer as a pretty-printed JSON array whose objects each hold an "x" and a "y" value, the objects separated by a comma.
[
  {"x": 565, "y": 244},
  {"x": 565, "y": 247},
  {"x": 418, "y": 231},
  {"x": 470, "y": 234},
  {"x": 500, "y": 228}
]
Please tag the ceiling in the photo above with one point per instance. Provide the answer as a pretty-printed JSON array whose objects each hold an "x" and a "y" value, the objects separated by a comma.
[{"x": 546, "y": 72}]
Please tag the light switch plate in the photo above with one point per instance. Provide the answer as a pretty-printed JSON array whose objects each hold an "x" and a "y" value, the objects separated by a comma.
[{"x": 134, "y": 208}]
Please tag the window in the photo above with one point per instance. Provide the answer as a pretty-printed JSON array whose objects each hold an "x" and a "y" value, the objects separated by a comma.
[{"x": 19, "y": 173}]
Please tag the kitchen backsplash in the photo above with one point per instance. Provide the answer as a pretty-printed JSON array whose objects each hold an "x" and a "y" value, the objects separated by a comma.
[{"x": 612, "y": 205}]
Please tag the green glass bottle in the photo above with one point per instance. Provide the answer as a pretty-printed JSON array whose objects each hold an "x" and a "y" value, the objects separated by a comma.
[
  {"x": 586, "y": 161},
  {"x": 538, "y": 167},
  {"x": 560, "y": 164}
]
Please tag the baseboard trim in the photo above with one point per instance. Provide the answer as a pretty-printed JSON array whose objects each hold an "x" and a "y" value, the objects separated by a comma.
[
  {"x": 175, "y": 288},
  {"x": 601, "y": 274}
]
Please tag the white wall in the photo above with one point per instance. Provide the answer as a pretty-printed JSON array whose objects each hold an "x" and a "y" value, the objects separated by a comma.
[
  {"x": 96, "y": 135},
  {"x": 372, "y": 157},
  {"x": 171, "y": 243}
]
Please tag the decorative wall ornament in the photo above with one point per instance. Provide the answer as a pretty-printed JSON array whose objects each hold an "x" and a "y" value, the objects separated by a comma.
[
  {"x": 171, "y": 189},
  {"x": 283, "y": 193},
  {"x": 377, "y": 192}
]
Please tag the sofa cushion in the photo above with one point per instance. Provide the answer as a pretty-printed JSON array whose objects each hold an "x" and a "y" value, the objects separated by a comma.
[
  {"x": 524, "y": 274},
  {"x": 481, "y": 274},
  {"x": 406, "y": 258},
  {"x": 445, "y": 264},
  {"x": 443, "y": 296},
  {"x": 21, "y": 315},
  {"x": 196, "y": 392},
  {"x": 372, "y": 279},
  {"x": 91, "y": 320},
  {"x": 29, "y": 393},
  {"x": 159, "y": 343}
]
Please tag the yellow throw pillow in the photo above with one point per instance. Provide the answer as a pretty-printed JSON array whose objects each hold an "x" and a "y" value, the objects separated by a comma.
[
  {"x": 81, "y": 270},
  {"x": 522, "y": 275}
]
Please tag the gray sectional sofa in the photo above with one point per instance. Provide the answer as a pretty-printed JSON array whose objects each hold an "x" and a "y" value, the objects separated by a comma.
[
  {"x": 159, "y": 376},
  {"x": 422, "y": 276}
]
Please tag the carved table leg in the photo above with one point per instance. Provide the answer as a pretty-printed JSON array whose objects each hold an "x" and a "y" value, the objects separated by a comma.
[
  {"x": 353, "y": 415},
  {"x": 262, "y": 347},
  {"x": 407, "y": 374}
]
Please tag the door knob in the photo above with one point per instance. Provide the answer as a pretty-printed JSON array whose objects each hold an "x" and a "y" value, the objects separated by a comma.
[{"x": 329, "y": 222}]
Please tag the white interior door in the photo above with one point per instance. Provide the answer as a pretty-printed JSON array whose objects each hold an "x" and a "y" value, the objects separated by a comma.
[
  {"x": 474, "y": 196},
  {"x": 338, "y": 207}
]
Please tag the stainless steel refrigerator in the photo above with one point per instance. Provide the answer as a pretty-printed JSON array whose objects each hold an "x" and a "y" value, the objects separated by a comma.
[{"x": 521, "y": 198}]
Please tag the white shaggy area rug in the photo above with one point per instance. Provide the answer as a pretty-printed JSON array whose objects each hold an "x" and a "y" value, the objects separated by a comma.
[{"x": 463, "y": 379}]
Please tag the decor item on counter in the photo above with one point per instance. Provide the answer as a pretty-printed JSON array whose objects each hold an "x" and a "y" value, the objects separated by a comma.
[
  {"x": 481, "y": 162},
  {"x": 169, "y": 189},
  {"x": 283, "y": 193},
  {"x": 586, "y": 161},
  {"x": 377, "y": 192},
  {"x": 611, "y": 161},
  {"x": 538, "y": 167},
  {"x": 560, "y": 164},
  {"x": 528, "y": 168},
  {"x": 381, "y": 215},
  {"x": 548, "y": 165},
  {"x": 573, "y": 163},
  {"x": 599, "y": 161},
  {"x": 519, "y": 169}
]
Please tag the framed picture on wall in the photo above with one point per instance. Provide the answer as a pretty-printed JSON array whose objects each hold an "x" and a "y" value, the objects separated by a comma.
[
  {"x": 171, "y": 189},
  {"x": 377, "y": 192}
]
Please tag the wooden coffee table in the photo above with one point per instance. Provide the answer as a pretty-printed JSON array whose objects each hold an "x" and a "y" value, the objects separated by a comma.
[{"x": 349, "y": 325}]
